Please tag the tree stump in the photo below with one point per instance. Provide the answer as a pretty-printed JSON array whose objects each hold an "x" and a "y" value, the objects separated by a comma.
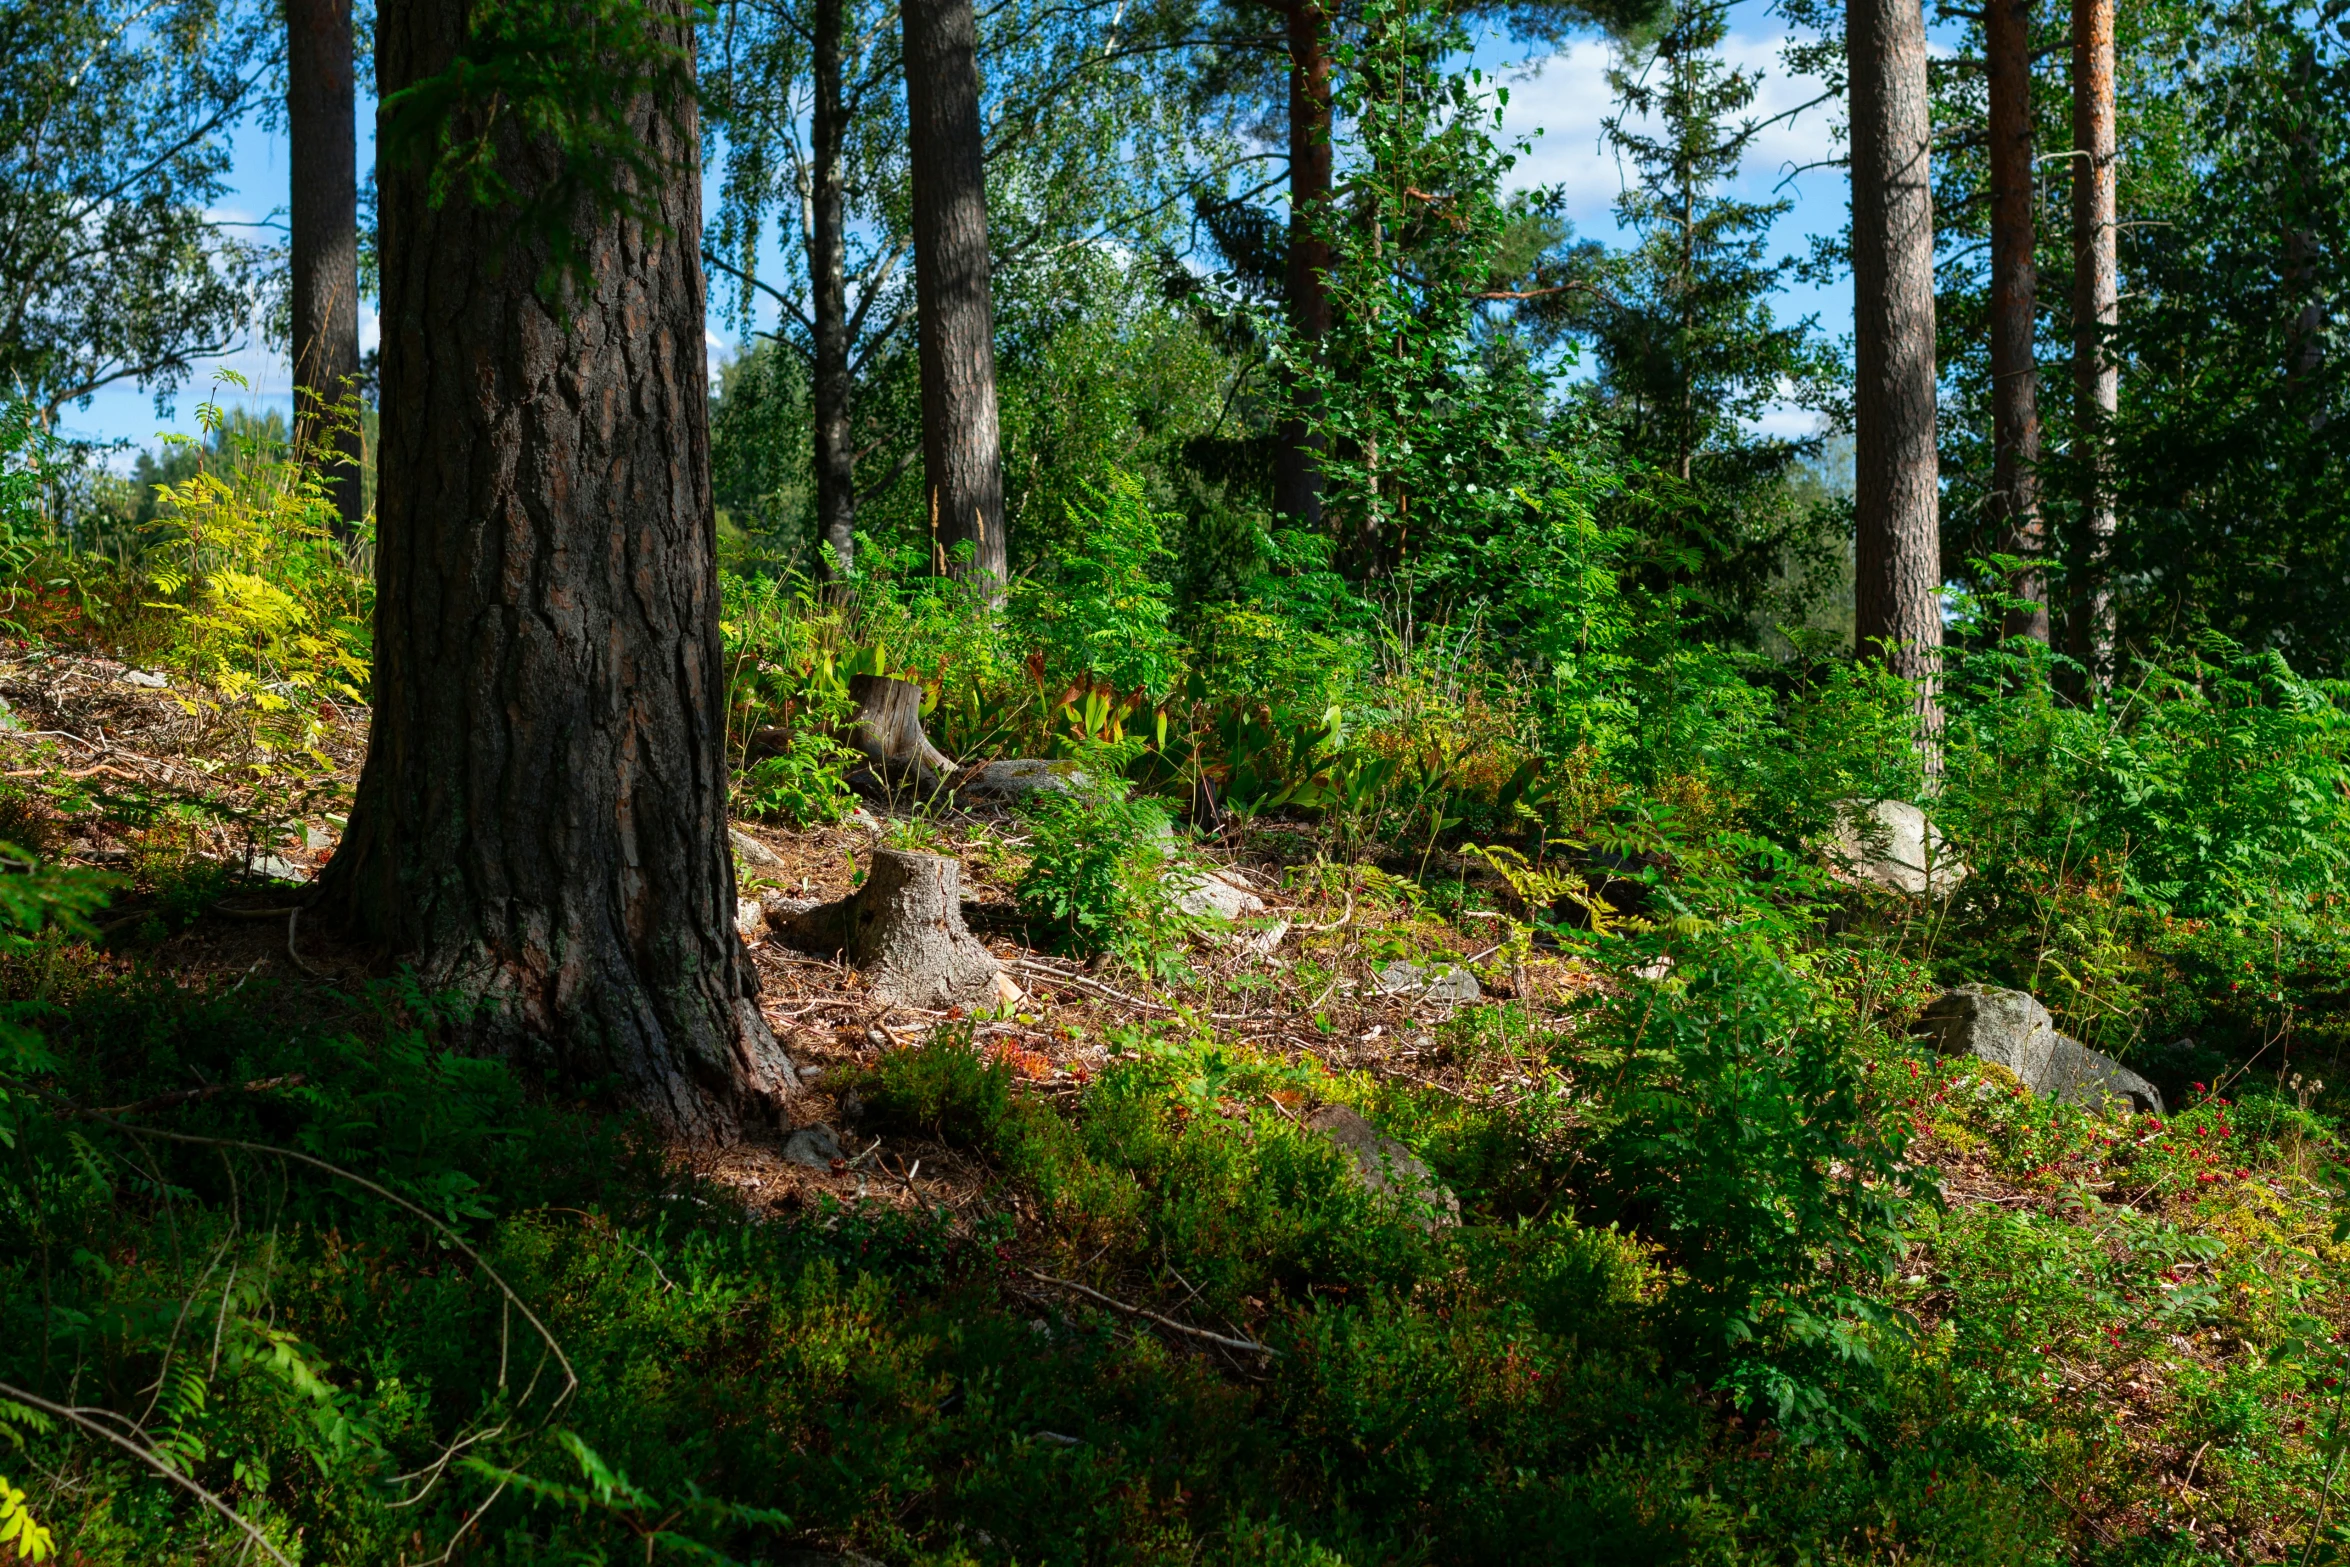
[
  {"x": 905, "y": 929},
  {"x": 887, "y": 732}
]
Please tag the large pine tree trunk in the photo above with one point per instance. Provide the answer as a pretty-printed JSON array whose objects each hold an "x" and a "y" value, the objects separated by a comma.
[
  {"x": 1896, "y": 502},
  {"x": 962, "y": 458},
  {"x": 2015, "y": 375},
  {"x": 323, "y": 220},
  {"x": 1297, "y": 475},
  {"x": 2096, "y": 310},
  {"x": 541, "y": 823},
  {"x": 828, "y": 303}
]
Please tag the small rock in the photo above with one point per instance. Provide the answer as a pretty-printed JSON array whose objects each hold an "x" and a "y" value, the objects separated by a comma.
[
  {"x": 750, "y": 921},
  {"x": 317, "y": 838},
  {"x": 1445, "y": 982},
  {"x": 1386, "y": 1166},
  {"x": 275, "y": 868},
  {"x": 1264, "y": 942},
  {"x": 753, "y": 850},
  {"x": 1890, "y": 844},
  {"x": 146, "y": 677},
  {"x": 814, "y": 1146},
  {"x": 1018, "y": 779},
  {"x": 1205, "y": 895}
]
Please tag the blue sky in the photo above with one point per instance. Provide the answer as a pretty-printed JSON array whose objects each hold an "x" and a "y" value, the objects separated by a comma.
[{"x": 1563, "y": 97}]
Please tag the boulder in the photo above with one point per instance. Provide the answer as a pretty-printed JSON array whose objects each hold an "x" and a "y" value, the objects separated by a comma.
[
  {"x": 1014, "y": 781},
  {"x": 1441, "y": 982},
  {"x": 2007, "y": 1027},
  {"x": 1891, "y": 844},
  {"x": 1377, "y": 1162},
  {"x": 2088, "y": 1078},
  {"x": 2011, "y": 1029}
]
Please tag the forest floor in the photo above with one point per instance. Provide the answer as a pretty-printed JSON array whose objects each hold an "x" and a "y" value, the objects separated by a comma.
[{"x": 2127, "y": 1304}]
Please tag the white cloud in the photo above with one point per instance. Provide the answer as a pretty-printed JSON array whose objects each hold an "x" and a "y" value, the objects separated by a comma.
[{"x": 1567, "y": 96}]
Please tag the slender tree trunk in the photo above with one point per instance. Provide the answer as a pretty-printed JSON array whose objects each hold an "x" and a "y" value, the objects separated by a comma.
[
  {"x": 2015, "y": 374},
  {"x": 828, "y": 304},
  {"x": 1896, "y": 500},
  {"x": 2096, "y": 311},
  {"x": 541, "y": 823},
  {"x": 1297, "y": 477},
  {"x": 323, "y": 217},
  {"x": 962, "y": 457}
]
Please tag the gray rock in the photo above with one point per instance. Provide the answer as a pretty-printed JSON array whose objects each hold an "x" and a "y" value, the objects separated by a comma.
[
  {"x": 2088, "y": 1078},
  {"x": 1204, "y": 895},
  {"x": 275, "y": 868},
  {"x": 1890, "y": 844},
  {"x": 1444, "y": 982},
  {"x": 1018, "y": 779},
  {"x": 814, "y": 1146},
  {"x": 146, "y": 677},
  {"x": 2011, "y": 1029},
  {"x": 1383, "y": 1165},
  {"x": 2003, "y": 1026},
  {"x": 753, "y": 851}
]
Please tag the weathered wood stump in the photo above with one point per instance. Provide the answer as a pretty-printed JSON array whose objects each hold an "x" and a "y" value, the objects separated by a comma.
[
  {"x": 887, "y": 732},
  {"x": 904, "y": 928}
]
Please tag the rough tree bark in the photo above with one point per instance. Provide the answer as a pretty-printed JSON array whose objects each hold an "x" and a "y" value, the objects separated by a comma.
[
  {"x": 2096, "y": 311},
  {"x": 962, "y": 458},
  {"x": 1297, "y": 476},
  {"x": 541, "y": 823},
  {"x": 2015, "y": 374},
  {"x": 828, "y": 303},
  {"x": 323, "y": 220},
  {"x": 1896, "y": 501}
]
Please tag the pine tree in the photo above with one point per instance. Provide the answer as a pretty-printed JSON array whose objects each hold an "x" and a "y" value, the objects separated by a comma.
[{"x": 1690, "y": 353}]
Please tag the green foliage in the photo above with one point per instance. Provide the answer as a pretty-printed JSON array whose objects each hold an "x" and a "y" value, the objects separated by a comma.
[
  {"x": 1689, "y": 352},
  {"x": 1098, "y": 859},
  {"x": 118, "y": 266},
  {"x": 1098, "y": 614},
  {"x": 1738, "y": 1130},
  {"x": 806, "y": 784}
]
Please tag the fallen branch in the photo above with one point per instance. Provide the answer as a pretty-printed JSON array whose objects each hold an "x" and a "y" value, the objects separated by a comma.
[
  {"x": 1250, "y": 1345},
  {"x": 1064, "y": 975},
  {"x": 181, "y": 1096}
]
